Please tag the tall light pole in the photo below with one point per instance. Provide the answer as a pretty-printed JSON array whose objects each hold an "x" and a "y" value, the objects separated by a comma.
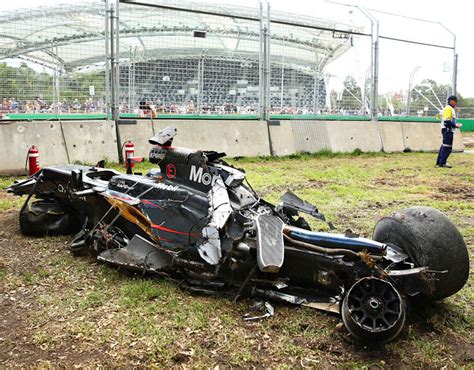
[{"x": 410, "y": 85}]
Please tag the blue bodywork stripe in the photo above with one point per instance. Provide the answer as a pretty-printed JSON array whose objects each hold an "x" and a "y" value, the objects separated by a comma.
[{"x": 338, "y": 241}]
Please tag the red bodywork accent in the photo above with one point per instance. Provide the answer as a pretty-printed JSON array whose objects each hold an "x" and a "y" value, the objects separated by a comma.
[
  {"x": 151, "y": 203},
  {"x": 171, "y": 171},
  {"x": 162, "y": 228},
  {"x": 165, "y": 240}
]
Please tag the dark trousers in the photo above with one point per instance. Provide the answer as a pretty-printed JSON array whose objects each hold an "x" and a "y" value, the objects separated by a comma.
[{"x": 446, "y": 147}]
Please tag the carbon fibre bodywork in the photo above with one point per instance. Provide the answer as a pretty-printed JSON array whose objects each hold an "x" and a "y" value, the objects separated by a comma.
[{"x": 194, "y": 218}]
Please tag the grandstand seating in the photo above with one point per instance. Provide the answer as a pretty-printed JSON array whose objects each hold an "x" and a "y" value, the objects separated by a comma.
[{"x": 228, "y": 85}]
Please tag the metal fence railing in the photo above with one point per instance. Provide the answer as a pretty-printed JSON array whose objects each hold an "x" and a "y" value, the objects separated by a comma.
[
  {"x": 198, "y": 59},
  {"x": 188, "y": 62},
  {"x": 52, "y": 59}
]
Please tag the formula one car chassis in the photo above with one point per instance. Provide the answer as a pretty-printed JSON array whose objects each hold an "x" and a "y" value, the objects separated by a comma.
[{"x": 196, "y": 220}]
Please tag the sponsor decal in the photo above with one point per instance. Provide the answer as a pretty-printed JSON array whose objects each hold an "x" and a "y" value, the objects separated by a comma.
[
  {"x": 157, "y": 155},
  {"x": 122, "y": 185},
  {"x": 166, "y": 187},
  {"x": 197, "y": 174},
  {"x": 171, "y": 171}
]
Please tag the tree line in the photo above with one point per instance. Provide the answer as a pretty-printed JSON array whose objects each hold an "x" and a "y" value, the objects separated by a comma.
[{"x": 24, "y": 83}]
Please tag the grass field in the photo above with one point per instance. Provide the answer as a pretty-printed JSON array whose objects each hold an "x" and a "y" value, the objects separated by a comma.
[{"x": 58, "y": 310}]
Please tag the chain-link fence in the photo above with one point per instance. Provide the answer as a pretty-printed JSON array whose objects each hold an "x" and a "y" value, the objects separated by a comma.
[
  {"x": 197, "y": 59},
  {"x": 300, "y": 51},
  {"x": 416, "y": 65},
  {"x": 189, "y": 61},
  {"x": 51, "y": 59}
]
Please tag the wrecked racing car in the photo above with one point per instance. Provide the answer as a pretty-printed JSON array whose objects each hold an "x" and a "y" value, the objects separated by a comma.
[{"x": 196, "y": 219}]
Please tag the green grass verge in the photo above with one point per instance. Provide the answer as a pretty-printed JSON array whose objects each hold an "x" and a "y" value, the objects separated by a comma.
[{"x": 139, "y": 321}]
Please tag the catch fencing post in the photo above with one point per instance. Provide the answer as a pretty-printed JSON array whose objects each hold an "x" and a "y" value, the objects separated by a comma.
[
  {"x": 113, "y": 18},
  {"x": 264, "y": 63}
]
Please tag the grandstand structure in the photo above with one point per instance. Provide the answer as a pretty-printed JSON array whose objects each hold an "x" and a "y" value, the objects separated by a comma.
[{"x": 180, "y": 57}]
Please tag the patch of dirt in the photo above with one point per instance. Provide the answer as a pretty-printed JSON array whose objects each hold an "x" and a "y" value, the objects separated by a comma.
[
  {"x": 317, "y": 340},
  {"x": 468, "y": 139},
  {"x": 454, "y": 191},
  {"x": 462, "y": 352},
  {"x": 372, "y": 211},
  {"x": 386, "y": 182},
  {"x": 17, "y": 343},
  {"x": 318, "y": 184},
  {"x": 394, "y": 181}
]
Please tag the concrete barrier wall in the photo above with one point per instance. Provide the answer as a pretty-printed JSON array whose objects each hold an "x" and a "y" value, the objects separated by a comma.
[
  {"x": 281, "y": 136},
  {"x": 427, "y": 137},
  {"x": 139, "y": 134},
  {"x": 90, "y": 141},
  {"x": 236, "y": 138},
  {"x": 458, "y": 145},
  {"x": 392, "y": 136},
  {"x": 348, "y": 136},
  {"x": 312, "y": 136},
  {"x": 17, "y": 137}
]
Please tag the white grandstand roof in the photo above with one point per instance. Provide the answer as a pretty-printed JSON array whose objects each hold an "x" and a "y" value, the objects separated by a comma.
[{"x": 72, "y": 37}]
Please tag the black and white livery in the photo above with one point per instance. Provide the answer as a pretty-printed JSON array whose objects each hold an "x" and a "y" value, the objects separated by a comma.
[{"x": 195, "y": 218}]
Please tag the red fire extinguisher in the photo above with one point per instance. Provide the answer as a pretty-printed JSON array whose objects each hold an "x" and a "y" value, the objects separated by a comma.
[
  {"x": 33, "y": 160},
  {"x": 129, "y": 152}
]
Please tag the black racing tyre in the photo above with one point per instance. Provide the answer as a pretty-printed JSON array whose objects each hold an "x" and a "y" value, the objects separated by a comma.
[
  {"x": 430, "y": 239},
  {"x": 373, "y": 310},
  {"x": 47, "y": 217}
]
